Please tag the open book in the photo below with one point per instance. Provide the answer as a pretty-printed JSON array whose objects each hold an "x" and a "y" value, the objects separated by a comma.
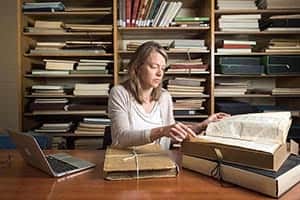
[{"x": 255, "y": 140}]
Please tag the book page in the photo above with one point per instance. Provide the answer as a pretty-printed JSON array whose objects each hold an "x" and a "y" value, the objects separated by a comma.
[
  {"x": 269, "y": 147},
  {"x": 262, "y": 127}
]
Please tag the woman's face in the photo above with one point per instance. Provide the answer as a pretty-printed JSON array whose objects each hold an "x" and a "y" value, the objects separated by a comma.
[{"x": 152, "y": 70}]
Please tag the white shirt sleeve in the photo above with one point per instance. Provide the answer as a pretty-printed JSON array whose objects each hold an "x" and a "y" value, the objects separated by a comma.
[{"x": 118, "y": 111}]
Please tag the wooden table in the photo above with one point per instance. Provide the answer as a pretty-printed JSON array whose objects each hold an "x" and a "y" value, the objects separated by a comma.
[{"x": 20, "y": 181}]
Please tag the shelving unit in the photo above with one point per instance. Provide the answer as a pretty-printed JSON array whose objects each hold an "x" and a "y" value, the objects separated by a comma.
[
  {"x": 201, "y": 9},
  {"x": 119, "y": 36},
  {"x": 258, "y": 80},
  {"x": 34, "y": 119}
]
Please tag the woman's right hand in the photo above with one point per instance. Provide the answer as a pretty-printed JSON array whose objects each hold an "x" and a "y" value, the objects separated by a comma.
[{"x": 178, "y": 132}]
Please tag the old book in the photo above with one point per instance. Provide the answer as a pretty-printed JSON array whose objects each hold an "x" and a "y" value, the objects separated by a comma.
[
  {"x": 147, "y": 161},
  {"x": 255, "y": 140},
  {"x": 270, "y": 183}
]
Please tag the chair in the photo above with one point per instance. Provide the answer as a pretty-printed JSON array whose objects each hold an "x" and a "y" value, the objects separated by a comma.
[
  {"x": 107, "y": 137},
  {"x": 6, "y": 142}
]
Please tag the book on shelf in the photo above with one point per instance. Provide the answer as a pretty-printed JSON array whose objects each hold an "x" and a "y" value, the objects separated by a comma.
[
  {"x": 88, "y": 27},
  {"x": 193, "y": 82},
  {"x": 49, "y": 72},
  {"x": 43, "y": 6},
  {"x": 48, "y": 24},
  {"x": 266, "y": 182},
  {"x": 236, "y": 4},
  {"x": 278, "y": 4},
  {"x": 88, "y": 9},
  {"x": 256, "y": 140},
  {"x": 47, "y": 87},
  {"x": 153, "y": 162}
]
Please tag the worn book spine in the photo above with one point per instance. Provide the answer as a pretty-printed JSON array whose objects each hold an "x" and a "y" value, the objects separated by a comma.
[
  {"x": 241, "y": 156},
  {"x": 270, "y": 183}
]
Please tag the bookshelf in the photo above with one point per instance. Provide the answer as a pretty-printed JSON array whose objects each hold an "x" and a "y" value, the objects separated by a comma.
[
  {"x": 121, "y": 50},
  {"x": 127, "y": 34},
  {"x": 264, "y": 80},
  {"x": 90, "y": 14}
]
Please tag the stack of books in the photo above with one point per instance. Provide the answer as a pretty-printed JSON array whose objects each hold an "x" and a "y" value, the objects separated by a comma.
[
  {"x": 132, "y": 45},
  {"x": 42, "y": 26},
  {"x": 139, "y": 162},
  {"x": 105, "y": 28},
  {"x": 69, "y": 47},
  {"x": 92, "y": 66},
  {"x": 192, "y": 66},
  {"x": 283, "y": 45},
  {"x": 236, "y": 46},
  {"x": 278, "y": 4},
  {"x": 281, "y": 23},
  {"x": 191, "y": 21},
  {"x": 195, "y": 45},
  {"x": 188, "y": 106},
  {"x": 48, "y": 104},
  {"x": 47, "y": 90},
  {"x": 236, "y": 4},
  {"x": 60, "y": 65},
  {"x": 54, "y": 128},
  {"x": 246, "y": 150},
  {"x": 230, "y": 88},
  {"x": 285, "y": 91},
  {"x": 91, "y": 89},
  {"x": 92, "y": 126},
  {"x": 241, "y": 22},
  {"x": 186, "y": 87},
  {"x": 43, "y": 6}
]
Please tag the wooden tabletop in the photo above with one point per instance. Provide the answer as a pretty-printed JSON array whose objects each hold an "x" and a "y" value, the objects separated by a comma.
[{"x": 20, "y": 181}]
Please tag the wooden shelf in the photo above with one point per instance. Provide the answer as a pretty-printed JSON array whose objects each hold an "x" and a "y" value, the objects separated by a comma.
[
  {"x": 70, "y": 76},
  {"x": 171, "y": 52},
  {"x": 66, "y": 96},
  {"x": 68, "y": 34},
  {"x": 257, "y": 75},
  {"x": 257, "y": 11},
  {"x": 61, "y": 13},
  {"x": 199, "y": 96},
  {"x": 83, "y": 112},
  {"x": 256, "y": 54},
  {"x": 259, "y": 96},
  {"x": 62, "y": 54},
  {"x": 187, "y": 73},
  {"x": 257, "y": 32},
  {"x": 125, "y": 29}
]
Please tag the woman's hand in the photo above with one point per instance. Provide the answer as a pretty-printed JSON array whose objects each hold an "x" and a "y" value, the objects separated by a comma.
[
  {"x": 199, "y": 127},
  {"x": 178, "y": 132},
  {"x": 217, "y": 117}
]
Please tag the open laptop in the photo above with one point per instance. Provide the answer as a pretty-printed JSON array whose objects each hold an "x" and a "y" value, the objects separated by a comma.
[{"x": 56, "y": 165}]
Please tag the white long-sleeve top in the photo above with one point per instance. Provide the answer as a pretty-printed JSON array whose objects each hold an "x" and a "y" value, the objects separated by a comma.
[{"x": 131, "y": 125}]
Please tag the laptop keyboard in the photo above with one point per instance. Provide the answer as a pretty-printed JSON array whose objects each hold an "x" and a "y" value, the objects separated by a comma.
[{"x": 59, "y": 166}]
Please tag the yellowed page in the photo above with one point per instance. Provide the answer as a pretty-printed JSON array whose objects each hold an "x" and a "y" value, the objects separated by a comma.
[{"x": 259, "y": 127}]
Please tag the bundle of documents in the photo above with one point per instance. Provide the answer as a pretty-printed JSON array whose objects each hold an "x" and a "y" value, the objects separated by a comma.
[
  {"x": 147, "y": 161},
  {"x": 245, "y": 149}
]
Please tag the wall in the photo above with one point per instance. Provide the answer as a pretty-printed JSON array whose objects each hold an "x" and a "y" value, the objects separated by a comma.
[{"x": 9, "y": 75}]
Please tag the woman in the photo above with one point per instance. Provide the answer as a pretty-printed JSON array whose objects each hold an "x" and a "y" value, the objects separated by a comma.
[{"x": 141, "y": 110}]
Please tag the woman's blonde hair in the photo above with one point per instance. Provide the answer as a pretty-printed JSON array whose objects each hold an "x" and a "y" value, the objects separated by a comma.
[{"x": 133, "y": 84}]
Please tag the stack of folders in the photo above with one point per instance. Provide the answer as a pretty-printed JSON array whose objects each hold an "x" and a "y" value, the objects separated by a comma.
[
  {"x": 247, "y": 149},
  {"x": 140, "y": 162}
]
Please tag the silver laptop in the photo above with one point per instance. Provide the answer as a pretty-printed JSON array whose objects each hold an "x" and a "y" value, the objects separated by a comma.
[{"x": 56, "y": 165}]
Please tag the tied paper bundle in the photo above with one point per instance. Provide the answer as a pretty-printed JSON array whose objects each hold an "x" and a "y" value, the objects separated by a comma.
[
  {"x": 256, "y": 140},
  {"x": 147, "y": 161}
]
